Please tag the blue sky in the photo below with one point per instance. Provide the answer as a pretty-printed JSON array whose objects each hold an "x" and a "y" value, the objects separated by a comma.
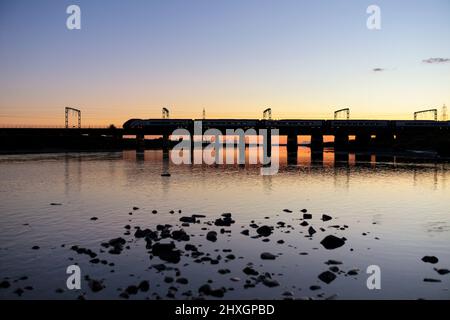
[{"x": 234, "y": 58}]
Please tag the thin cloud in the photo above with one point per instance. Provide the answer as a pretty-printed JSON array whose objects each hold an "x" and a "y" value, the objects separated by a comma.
[{"x": 436, "y": 60}]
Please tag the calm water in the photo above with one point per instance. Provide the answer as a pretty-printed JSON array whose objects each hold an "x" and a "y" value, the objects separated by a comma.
[{"x": 396, "y": 213}]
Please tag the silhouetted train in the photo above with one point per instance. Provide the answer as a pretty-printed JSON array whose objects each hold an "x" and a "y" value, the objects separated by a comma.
[{"x": 246, "y": 123}]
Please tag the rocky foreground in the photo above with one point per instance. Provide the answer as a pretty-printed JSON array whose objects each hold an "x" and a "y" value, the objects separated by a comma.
[{"x": 170, "y": 251}]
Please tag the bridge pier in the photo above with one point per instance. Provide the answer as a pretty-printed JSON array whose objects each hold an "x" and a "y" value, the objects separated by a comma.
[
  {"x": 363, "y": 141},
  {"x": 341, "y": 158},
  {"x": 316, "y": 142},
  {"x": 165, "y": 146},
  {"x": 140, "y": 143},
  {"x": 385, "y": 140},
  {"x": 292, "y": 149},
  {"x": 341, "y": 141}
]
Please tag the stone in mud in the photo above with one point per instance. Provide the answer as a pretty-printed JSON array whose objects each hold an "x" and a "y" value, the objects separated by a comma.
[
  {"x": 353, "y": 272},
  {"x": 95, "y": 285},
  {"x": 264, "y": 231},
  {"x": 326, "y": 217},
  {"x": 182, "y": 281},
  {"x": 250, "y": 271},
  {"x": 442, "y": 271},
  {"x": 268, "y": 282},
  {"x": 211, "y": 236},
  {"x": 430, "y": 259},
  {"x": 331, "y": 242},
  {"x": 144, "y": 286},
  {"x": 431, "y": 280},
  {"x": 307, "y": 216},
  {"x": 226, "y": 221},
  {"x": 268, "y": 256},
  {"x": 180, "y": 235},
  {"x": 245, "y": 232},
  {"x": 188, "y": 219},
  {"x": 207, "y": 290},
  {"x": 327, "y": 277},
  {"x": 168, "y": 279},
  {"x": 131, "y": 290},
  {"x": 166, "y": 252},
  {"x": 19, "y": 291},
  {"x": 190, "y": 247},
  {"x": 144, "y": 233}
]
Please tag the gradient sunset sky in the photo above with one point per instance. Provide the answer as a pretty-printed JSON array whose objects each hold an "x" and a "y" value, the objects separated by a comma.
[{"x": 304, "y": 59}]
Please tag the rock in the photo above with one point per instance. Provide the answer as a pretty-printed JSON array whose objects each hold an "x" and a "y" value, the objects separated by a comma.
[
  {"x": 190, "y": 247},
  {"x": 250, "y": 271},
  {"x": 207, "y": 290},
  {"x": 333, "y": 262},
  {"x": 264, "y": 231},
  {"x": 224, "y": 271},
  {"x": 287, "y": 210},
  {"x": 95, "y": 285},
  {"x": 430, "y": 259},
  {"x": 182, "y": 281},
  {"x": 331, "y": 242},
  {"x": 304, "y": 224},
  {"x": 268, "y": 256},
  {"x": 307, "y": 216},
  {"x": 180, "y": 235},
  {"x": 139, "y": 233},
  {"x": 168, "y": 279},
  {"x": 211, "y": 236},
  {"x": 235, "y": 279},
  {"x": 431, "y": 280},
  {"x": 131, "y": 290},
  {"x": 135, "y": 208},
  {"x": 353, "y": 272},
  {"x": 304, "y": 210},
  {"x": 144, "y": 286},
  {"x": 166, "y": 174},
  {"x": 314, "y": 288},
  {"x": 5, "y": 284},
  {"x": 226, "y": 221},
  {"x": 311, "y": 231},
  {"x": 245, "y": 232},
  {"x": 19, "y": 291},
  {"x": 327, "y": 277},
  {"x": 442, "y": 271},
  {"x": 94, "y": 218},
  {"x": 268, "y": 282},
  {"x": 35, "y": 247},
  {"x": 188, "y": 219},
  {"x": 55, "y": 204},
  {"x": 326, "y": 217},
  {"x": 166, "y": 252}
]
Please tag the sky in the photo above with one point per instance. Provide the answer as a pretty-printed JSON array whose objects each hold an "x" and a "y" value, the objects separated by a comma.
[{"x": 304, "y": 59}]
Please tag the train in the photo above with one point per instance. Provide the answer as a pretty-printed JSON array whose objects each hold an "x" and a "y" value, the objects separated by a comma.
[{"x": 248, "y": 123}]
